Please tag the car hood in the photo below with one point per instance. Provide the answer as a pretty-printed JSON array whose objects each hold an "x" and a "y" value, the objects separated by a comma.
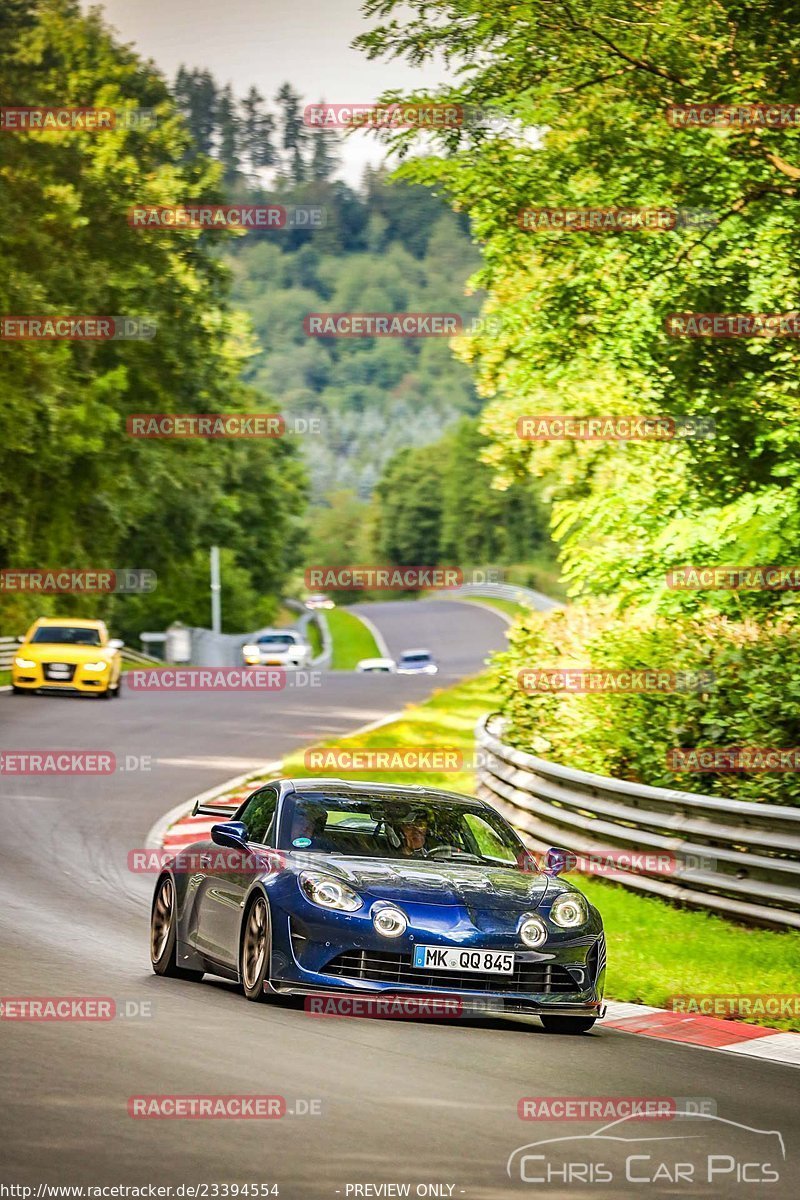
[
  {"x": 53, "y": 652},
  {"x": 476, "y": 888}
]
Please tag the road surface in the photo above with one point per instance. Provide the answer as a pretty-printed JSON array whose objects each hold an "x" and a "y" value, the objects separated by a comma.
[{"x": 400, "y": 1102}]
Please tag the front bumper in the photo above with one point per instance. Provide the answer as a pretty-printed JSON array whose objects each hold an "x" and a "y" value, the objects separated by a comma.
[
  {"x": 341, "y": 952},
  {"x": 38, "y": 678}
]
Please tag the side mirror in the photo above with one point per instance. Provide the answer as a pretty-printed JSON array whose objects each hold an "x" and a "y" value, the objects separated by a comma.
[
  {"x": 114, "y": 644},
  {"x": 557, "y": 861},
  {"x": 230, "y": 833}
]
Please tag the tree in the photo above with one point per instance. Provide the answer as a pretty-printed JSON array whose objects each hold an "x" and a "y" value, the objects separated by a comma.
[
  {"x": 75, "y": 488},
  {"x": 584, "y": 313},
  {"x": 257, "y": 129},
  {"x": 228, "y": 135},
  {"x": 294, "y": 134}
]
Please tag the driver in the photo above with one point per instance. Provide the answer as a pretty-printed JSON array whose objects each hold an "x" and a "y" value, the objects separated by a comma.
[
  {"x": 413, "y": 831},
  {"x": 308, "y": 821}
]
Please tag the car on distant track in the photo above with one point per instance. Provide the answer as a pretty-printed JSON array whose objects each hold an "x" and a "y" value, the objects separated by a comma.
[
  {"x": 416, "y": 662},
  {"x": 67, "y": 654},
  {"x": 356, "y": 888},
  {"x": 319, "y": 600},
  {"x": 385, "y": 666},
  {"x": 278, "y": 648}
]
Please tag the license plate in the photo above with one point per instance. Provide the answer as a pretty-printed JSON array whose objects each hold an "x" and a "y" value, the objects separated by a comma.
[
  {"x": 443, "y": 958},
  {"x": 57, "y": 671}
]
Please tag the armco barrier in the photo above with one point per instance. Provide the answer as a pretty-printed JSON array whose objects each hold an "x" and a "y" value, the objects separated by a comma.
[
  {"x": 735, "y": 858},
  {"x": 504, "y": 591}
]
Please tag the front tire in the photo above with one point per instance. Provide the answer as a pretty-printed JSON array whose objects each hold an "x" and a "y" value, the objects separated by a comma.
[
  {"x": 554, "y": 1024},
  {"x": 163, "y": 934},
  {"x": 254, "y": 951}
]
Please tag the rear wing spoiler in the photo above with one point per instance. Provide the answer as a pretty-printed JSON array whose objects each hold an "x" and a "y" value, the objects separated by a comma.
[{"x": 214, "y": 810}]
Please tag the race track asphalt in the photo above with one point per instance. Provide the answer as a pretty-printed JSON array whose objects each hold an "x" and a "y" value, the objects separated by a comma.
[{"x": 401, "y": 1102}]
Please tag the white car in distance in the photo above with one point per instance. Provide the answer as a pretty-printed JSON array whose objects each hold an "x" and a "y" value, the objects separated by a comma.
[
  {"x": 278, "y": 648},
  {"x": 377, "y": 666}
]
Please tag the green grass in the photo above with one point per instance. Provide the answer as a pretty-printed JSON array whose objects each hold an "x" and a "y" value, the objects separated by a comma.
[
  {"x": 655, "y": 950},
  {"x": 507, "y": 606},
  {"x": 351, "y": 639},
  {"x": 314, "y": 635},
  {"x": 5, "y": 678}
]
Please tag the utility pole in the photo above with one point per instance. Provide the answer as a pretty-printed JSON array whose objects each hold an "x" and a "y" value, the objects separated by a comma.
[{"x": 216, "y": 589}]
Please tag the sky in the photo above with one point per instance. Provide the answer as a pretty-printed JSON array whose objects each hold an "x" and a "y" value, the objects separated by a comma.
[{"x": 267, "y": 42}]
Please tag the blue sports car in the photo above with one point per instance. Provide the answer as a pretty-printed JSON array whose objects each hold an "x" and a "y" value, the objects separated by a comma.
[{"x": 322, "y": 885}]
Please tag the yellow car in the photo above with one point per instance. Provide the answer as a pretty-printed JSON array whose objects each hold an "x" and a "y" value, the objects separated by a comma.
[{"x": 67, "y": 654}]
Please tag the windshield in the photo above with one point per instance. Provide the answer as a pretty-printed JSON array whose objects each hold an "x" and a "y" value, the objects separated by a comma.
[
  {"x": 400, "y": 827},
  {"x": 416, "y": 658},
  {"x": 277, "y": 641},
  {"x": 67, "y": 635}
]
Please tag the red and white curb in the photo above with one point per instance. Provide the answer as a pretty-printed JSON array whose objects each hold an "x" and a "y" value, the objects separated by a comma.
[
  {"x": 735, "y": 1037},
  {"x": 178, "y": 828}
]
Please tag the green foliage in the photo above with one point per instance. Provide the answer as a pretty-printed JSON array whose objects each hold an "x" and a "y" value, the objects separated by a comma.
[
  {"x": 584, "y": 96},
  {"x": 583, "y": 314},
  {"x": 436, "y": 505},
  {"x": 375, "y": 395},
  {"x": 352, "y": 640},
  {"x": 630, "y": 736},
  {"x": 75, "y": 488}
]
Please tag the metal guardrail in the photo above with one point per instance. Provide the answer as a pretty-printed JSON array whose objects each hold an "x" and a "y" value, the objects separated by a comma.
[
  {"x": 505, "y": 591},
  {"x": 735, "y": 858},
  {"x": 139, "y": 658},
  {"x": 10, "y": 645},
  {"x": 325, "y": 657}
]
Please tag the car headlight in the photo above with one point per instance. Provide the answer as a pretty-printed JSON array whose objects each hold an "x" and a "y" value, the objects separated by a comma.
[
  {"x": 25, "y": 663},
  {"x": 98, "y": 666},
  {"x": 569, "y": 911},
  {"x": 328, "y": 893},
  {"x": 533, "y": 931},
  {"x": 390, "y": 921}
]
